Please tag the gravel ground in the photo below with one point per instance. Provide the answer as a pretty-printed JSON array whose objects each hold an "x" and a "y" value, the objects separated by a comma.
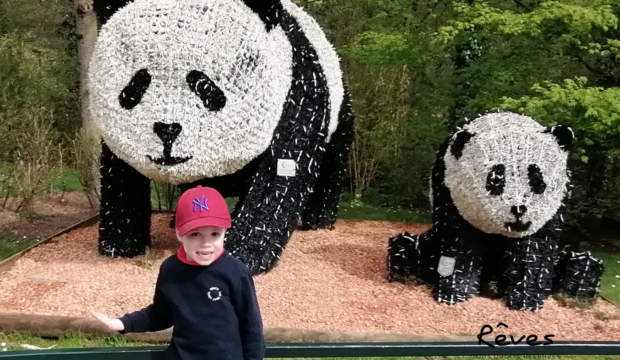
[{"x": 326, "y": 280}]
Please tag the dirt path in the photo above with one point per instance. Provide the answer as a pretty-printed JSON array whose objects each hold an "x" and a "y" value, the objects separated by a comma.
[{"x": 58, "y": 210}]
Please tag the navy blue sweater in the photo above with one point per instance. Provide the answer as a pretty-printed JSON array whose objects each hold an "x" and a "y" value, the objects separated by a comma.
[{"x": 213, "y": 308}]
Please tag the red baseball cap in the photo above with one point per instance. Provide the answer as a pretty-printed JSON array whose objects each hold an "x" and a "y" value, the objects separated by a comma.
[{"x": 201, "y": 206}]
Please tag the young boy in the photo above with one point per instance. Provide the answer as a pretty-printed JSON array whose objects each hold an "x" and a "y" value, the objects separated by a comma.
[{"x": 207, "y": 294}]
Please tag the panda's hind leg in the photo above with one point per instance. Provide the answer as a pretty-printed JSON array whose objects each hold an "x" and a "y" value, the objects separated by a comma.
[
  {"x": 322, "y": 208},
  {"x": 405, "y": 260},
  {"x": 125, "y": 214}
]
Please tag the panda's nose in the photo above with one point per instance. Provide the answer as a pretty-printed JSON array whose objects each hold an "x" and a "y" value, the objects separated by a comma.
[
  {"x": 518, "y": 211},
  {"x": 168, "y": 133}
]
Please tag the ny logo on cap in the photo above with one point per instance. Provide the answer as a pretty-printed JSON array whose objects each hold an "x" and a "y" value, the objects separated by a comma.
[{"x": 199, "y": 203}]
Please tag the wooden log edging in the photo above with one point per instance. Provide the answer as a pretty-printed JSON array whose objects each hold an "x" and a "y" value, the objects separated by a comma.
[
  {"x": 7, "y": 264},
  {"x": 55, "y": 326}
]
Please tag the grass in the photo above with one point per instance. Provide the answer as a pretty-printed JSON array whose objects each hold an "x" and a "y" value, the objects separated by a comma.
[
  {"x": 347, "y": 210},
  {"x": 60, "y": 180},
  {"x": 610, "y": 282},
  {"x": 599, "y": 315},
  {"x": 11, "y": 244},
  {"x": 572, "y": 302},
  {"x": 146, "y": 262},
  {"x": 65, "y": 180},
  {"x": 366, "y": 212},
  {"x": 69, "y": 180},
  {"x": 13, "y": 341},
  {"x": 70, "y": 341}
]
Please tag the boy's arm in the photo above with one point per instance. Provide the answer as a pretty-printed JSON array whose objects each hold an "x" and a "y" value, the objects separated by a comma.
[
  {"x": 250, "y": 322},
  {"x": 155, "y": 317}
]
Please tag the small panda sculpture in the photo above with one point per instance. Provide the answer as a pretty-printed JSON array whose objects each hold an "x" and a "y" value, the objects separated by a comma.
[
  {"x": 245, "y": 96},
  {"x": 499, "y": 189}
]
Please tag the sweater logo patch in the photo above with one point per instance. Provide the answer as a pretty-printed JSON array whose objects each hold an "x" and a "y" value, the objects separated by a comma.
[{"x": 214, "y": 294}]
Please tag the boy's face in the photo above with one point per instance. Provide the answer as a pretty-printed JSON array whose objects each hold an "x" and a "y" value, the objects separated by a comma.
[{"x": 203, "y": 244}]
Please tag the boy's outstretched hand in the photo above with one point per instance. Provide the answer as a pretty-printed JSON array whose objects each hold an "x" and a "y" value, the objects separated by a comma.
[{"x": 112, "y": 324}]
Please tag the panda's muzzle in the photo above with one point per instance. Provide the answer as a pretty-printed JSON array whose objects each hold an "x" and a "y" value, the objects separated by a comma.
[
  {"x": 168, "y": 133},
  {"x": 519, "y": 225}
]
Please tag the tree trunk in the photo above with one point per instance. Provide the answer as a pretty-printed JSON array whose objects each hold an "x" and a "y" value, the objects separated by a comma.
[{"x": 86, "y": 28}]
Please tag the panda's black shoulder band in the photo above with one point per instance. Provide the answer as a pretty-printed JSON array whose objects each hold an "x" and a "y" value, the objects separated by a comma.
[
  {"x": 460, "y": 139},
  {"x": 564, "y": 135},
  {"x": 104, "y": 9},
  {"x": 270, "y": 11}
]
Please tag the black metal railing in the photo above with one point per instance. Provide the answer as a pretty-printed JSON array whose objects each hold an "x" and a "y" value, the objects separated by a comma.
[{"x": 336, "y": 350}]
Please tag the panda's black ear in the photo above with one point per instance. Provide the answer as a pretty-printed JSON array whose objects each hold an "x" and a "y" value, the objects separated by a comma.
[
  {"x": 564, "y": 135},
  {"x": 458, "y": 144},
  {"x": 106, "y": 8},
  {"x": 270, "y": 11}
]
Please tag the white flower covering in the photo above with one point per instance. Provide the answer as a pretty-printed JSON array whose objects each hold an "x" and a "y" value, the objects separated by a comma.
[
  {"x": 516, "y": 141},
  {"x": 328, "y": 58},
  {"x": 170, "y": 38}
]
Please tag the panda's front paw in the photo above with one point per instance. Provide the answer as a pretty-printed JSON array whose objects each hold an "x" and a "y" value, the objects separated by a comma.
[
  {"x": 451, "y": 299},
  {"x": 260, "y": 254},
  {"x": 403, "y": 261},
  {"x": 450, "y": 292},
  {"x": 458, "y": 277},
  {"x": 321, "y": 219},
  {"x": 525, "y": 302}
]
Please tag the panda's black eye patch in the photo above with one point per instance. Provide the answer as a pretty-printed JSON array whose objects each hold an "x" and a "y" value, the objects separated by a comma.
[
  {"x": 212, "y": 96},
  {"x": 537, "y": 182},
  {"x": 132, "y": 94},
  {"x": 496, "y": 180}
]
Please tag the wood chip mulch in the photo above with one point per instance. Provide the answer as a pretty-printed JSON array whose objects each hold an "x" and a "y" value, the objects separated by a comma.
[{"x": 326, "y": 280}]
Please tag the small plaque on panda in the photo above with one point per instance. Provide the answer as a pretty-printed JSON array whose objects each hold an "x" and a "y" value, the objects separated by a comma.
[
  {"x": 446, "y": 265},
  {"x": 286, "y": 167}
]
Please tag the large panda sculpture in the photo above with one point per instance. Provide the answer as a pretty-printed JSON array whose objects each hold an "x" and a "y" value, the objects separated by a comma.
[
  {"x": 499, "y": 189},
  {"x": 245, "y": 96}
]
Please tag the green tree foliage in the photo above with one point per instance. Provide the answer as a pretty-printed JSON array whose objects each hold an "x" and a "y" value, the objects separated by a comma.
[
  {"x": 38, "y": 68},
  {"x": 558, "y": 61},
  {"x": 594, "y": 111},
  {"x": 400, "y": 83},
  {"x": 415, "y": 68},
  {"x": 418, "y": 68}
]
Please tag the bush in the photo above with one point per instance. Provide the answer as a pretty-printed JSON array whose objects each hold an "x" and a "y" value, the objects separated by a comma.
[
  {"x": 38, "y": 69},
  {"x": 165, "y": 195},
  {"x": 86, "y": 150},
  {"x": 34, "y": 158}
]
